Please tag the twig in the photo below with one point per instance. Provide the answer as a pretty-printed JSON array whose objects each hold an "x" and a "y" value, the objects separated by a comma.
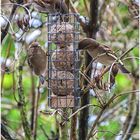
[
  {"x": 73, "y": 132},
  {"x": 14, "y": 88},
  {"x": 44, "y": 132},
  {"x": 125, "y": 53},
  {"x": 99, "y": 116},
  {"x": 131, "y": 121},
  {"x": 9, "y": 23},
  {"x": 110, "y": 112},
  {"x": 78, "y": 110},
  {"x": 131, "y": 58},
  {"x": 4, "y": 33},
  {"x": 109, "y": 77},
  {"x": 73, "y": 9},
  {"x": 86, "y": 7},
  {"x": 15, "y": 5},
  {"x": 107, "y": 131},
  {"x": 102, "y": 10},
  {"x": 96, "y": 121},
  {"x": 20, "y": 5},
  {"x": 63, "y": 129},
  {"x": 91, "y": 85},
  {"x": 22, "y": 106},
  {"x": 115, "y": 18},
  {"x": 36, "y": 111},
  {"x": 33, "y": 105},
  {"x": 104, "y": 108},
  {"x": 125, "y": 93}
]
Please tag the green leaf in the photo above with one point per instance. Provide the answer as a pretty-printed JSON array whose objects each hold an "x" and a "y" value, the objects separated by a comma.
[
  {"x": 123, "y": 82},
  {"x": 135, "y": 51},
  {"x": 8, "y": 81},
  {"x": 14, "y": 118},
  {"x": 112, "y": 126},
  {"x": 8, "y": 47}
]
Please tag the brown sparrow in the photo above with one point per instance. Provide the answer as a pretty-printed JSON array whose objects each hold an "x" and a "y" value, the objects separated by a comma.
[
  {"x": 37, "y": 60},
  {"x": 101, "y": 53},
  {"x": 51, "y": 6}
]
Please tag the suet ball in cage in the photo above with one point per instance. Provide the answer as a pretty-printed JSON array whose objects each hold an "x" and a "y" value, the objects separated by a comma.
[
  {"x": 62, "y": 83},
  {"x": 62, "y": 34},
  {"x": 63, "y": 59}
]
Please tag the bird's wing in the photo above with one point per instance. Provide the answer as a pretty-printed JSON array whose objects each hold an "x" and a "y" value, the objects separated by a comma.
[
  {"x": 29, "y": 63},
  {"x": 109, "y": 52},
  {"x": 105, "y": 49}
]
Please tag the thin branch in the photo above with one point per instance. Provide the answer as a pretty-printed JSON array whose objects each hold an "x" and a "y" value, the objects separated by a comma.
[
  {"x": 73, "y": 132},
  {"x": 36, "y": 111},
  {"x": 74, "y": 10},
  {"x": 78, "y": 110},
  {"x": 86, "y": 7},
  {"x": 107, "y": 131},
  {"x": 104, "y": 108},
  {"x": 129, "y": 50},
  {"x": 91, "y": 85},
  {"x": 133, "y": 57},
  {"x": 95, "y": 123},
  {"x": 8, "y": 23},
  {"x": 44, "y": 132},
  {"x": 102, "y": 10},
  {"x": 132, "y": 118},
  {"x": 4, "y": 33},
  {"x": 15, "y": 6},
  {"x": 33, "y": 97},
  {"x": 125, "y": 93},
  {"x": 22, "y": 107}
]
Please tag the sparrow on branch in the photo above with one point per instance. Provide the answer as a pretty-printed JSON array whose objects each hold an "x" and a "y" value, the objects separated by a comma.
[
  {"x": 37, "y": 60},
  {"x": 51, "y": 6},
  {"x": 101, "y": 53}
]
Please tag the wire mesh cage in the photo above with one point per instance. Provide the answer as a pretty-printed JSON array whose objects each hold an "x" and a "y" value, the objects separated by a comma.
[{"x": 63, "y": 61}]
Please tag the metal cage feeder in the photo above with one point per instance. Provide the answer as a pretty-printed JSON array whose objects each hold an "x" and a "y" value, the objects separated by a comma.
[{"x": 63, "y": 61}]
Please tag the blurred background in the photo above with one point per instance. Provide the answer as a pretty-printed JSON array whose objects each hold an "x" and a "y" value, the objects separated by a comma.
[{"x": 24, "y": 104}]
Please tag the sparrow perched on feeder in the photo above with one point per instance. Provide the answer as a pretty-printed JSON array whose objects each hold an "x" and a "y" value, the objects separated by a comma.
[
  {"x": 51, "y": 6},
  {"x": 62, "y": 34},
  {"x": 37, "y": 60},
  {"x": 101, "y": 53},
  {"x": 62, "y": 83},
  {"x": 63, "y": 59}
]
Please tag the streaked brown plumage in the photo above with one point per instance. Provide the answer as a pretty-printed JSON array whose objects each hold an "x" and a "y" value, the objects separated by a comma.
[
  {"x": 51, "y": 6},
  {"x": 37, "y": 59},
  {"x": 101, "y": 53}
]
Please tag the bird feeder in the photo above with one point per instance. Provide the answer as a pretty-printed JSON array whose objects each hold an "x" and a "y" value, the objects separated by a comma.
[{"x": 63, "y": 61}]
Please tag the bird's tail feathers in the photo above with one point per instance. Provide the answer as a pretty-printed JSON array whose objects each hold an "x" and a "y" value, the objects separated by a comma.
[{"x": 123, "y": 69}]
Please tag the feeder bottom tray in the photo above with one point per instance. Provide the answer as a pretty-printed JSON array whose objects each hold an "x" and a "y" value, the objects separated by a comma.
[{"x": 62, "y": 101}]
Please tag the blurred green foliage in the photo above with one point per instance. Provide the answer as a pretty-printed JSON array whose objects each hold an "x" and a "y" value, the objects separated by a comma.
[{"x": 10, "y": 110}]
